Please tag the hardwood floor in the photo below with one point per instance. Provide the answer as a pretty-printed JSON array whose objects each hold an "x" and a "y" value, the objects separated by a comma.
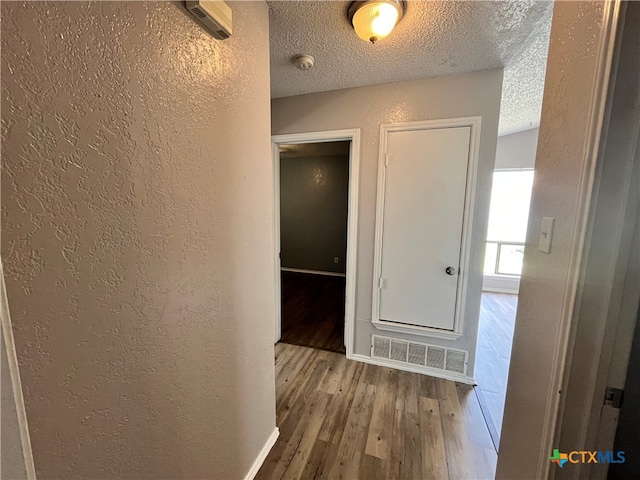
[
  {"x": 495, "y": 337},
  {"x": 341, "y": 419},
  {"x": 313, "y": 310}
]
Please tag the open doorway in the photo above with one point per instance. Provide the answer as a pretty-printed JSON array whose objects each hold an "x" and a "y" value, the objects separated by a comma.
[
  {"x": 314, "y": 197},
  {"x": 315, "y": 225},
  {"x": 508, "y": 217}
]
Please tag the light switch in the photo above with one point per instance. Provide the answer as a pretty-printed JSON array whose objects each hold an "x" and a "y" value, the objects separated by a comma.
[{"x": 546, "y": 232}]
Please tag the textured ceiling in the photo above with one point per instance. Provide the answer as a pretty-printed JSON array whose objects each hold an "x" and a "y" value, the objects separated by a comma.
[
  {"x": 433, "y": 39},
  {"x": 523, "y": 83}
]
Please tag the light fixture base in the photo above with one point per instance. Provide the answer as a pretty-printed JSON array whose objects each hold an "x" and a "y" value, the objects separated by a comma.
[
  {"x": 354, "y": 7},
  {"x": 303, "y": 61}
]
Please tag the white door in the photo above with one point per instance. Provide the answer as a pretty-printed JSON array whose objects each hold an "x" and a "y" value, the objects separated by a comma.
[{"x": 424, "y": 199}]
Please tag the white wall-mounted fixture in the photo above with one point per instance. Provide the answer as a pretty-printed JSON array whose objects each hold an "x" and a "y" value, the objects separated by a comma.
[
  {"x": 546, "y": 232},
  {"x": 303, "y": 61},
  {"x": 215, "y": 15},
  {"x": 373, "y": 20}
]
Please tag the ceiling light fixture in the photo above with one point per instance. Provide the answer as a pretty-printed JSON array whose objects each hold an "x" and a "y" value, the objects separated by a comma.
[{"x": 375, "y": 19}]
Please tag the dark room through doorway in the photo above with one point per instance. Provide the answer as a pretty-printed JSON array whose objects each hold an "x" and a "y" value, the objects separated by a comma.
[{"x": 314, "y": 198}]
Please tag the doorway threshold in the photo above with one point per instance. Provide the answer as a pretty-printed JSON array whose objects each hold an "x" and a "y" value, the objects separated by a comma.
[{"x": 493, "y": 431}]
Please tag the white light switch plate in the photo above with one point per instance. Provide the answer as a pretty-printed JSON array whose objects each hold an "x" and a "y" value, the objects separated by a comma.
[{"x": 546, "y": 232}]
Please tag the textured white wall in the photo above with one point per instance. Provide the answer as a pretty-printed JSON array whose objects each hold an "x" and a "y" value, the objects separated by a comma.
[
  {"x": 369, "y": 107},
  {"x": 560, "y": 162},
  {"x": 137, "y": 237},
  {"x": 517, "y": 150}
]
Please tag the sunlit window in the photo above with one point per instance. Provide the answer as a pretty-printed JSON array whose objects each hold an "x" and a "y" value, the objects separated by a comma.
[{"x": 508, "y": 217}]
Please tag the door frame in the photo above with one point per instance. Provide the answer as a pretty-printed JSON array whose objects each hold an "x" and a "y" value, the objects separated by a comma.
[
  {"x": 353, "y": 136},
  {"x": 475, "y": 124},
  {"x": 606, "y": 302},
  {"x": 9, "y": 349}
]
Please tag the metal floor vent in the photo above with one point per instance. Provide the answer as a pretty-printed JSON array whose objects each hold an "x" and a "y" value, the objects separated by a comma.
[
  {"x": 420, "y": 354},
  {"x": 198, "y": 13}
]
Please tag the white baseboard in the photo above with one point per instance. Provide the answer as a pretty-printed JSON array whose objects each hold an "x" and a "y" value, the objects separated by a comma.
[
  {"x": 500, "y": 290},
  {"x": 501, "y": 283},
  {"x": 313, "y": 272},
  {"x": 408, "y": 368},
  {"x": 271, "y": 441}
]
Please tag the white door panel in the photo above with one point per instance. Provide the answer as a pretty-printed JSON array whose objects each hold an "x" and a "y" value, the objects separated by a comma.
[{"x": 424, "y": 199}]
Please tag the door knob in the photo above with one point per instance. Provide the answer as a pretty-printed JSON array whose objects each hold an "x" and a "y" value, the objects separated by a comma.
[{"x": 450, "y": 271}]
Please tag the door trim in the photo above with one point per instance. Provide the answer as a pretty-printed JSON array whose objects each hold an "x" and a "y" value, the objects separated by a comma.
[
  {"x": 474, "y": 152},
  {"x": 14, "y": 374},
  {"x": 352, "y": 135}
]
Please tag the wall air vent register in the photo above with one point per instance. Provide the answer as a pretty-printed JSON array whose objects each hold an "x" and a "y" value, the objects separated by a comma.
[
  {"x": 419, "y": 354},
  {"x": 214, "y": 15}
]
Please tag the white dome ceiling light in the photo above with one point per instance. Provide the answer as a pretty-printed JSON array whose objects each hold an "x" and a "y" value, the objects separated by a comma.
[{"x": 373, "y": 20}]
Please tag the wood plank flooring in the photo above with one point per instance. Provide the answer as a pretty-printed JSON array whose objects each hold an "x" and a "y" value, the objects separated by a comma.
[
  {"x": 495, "y": 337},
  {"x": 341, "y": 419},
  {"x": 313, "y": 310}
]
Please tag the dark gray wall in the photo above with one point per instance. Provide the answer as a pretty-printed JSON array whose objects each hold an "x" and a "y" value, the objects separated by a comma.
[{"x": 313, "y": 212}]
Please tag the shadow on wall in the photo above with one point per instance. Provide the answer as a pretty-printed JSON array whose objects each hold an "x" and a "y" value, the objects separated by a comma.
[{"x": 136, "y": 218}]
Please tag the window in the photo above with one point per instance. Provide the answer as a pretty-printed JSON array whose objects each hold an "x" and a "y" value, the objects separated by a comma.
[{"x": 508, "y": 217}]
